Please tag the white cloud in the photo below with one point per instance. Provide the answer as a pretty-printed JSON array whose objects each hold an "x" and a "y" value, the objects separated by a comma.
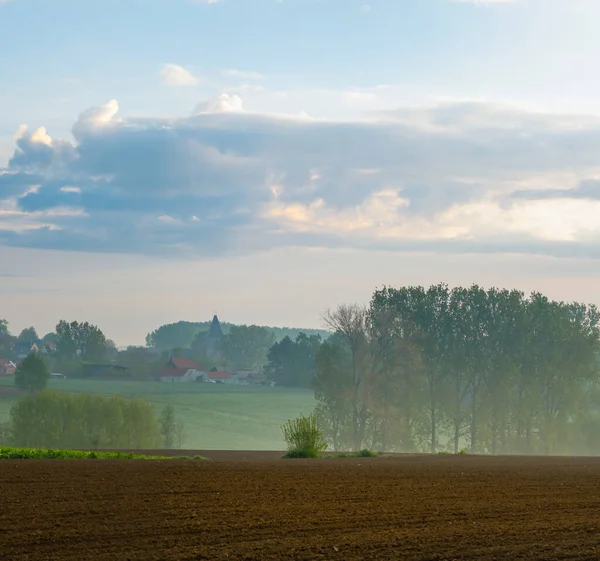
[
  {"x": 450, "y": 177},
  {"x": 225, "y": 103},
  {"x": 175, "y": 75}
]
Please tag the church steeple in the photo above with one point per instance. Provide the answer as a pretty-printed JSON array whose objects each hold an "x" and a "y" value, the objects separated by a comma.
[{"x": 215, "y": 331}]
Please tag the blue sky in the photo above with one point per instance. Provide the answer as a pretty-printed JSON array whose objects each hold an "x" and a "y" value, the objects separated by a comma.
[{"x": 149, "y": 149}]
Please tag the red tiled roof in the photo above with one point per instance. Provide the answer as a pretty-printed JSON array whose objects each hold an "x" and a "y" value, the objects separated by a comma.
[
  {"x": 186, "y": 363},
  {"x": 219, "y": 375}
]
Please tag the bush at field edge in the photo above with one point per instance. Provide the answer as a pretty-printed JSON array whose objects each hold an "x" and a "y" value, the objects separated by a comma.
[
  {"x": 304, "y": 438},
  {"x": 7, "y": 453}
]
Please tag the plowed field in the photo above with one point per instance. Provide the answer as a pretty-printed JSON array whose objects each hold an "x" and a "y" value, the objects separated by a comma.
[{"x": 416, "y": 507}]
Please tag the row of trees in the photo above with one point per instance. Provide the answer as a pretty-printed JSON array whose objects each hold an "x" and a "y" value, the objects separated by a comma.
[
  {"x": 435, "y": 369},
  {"x": 64, "y": 420},
  {"x": 183, "y": 334},
  {"x": 291, "y": 363},
  {"x": 8, "y": 340},
  {"x": 243, "y": 346}
]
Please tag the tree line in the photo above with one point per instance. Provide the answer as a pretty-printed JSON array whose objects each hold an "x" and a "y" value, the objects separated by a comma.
[
  {"x": 50, "y": 419},
  {"x": 184, "y": 334},
  {"x": 75, "y": 344},
  {"x": 430, "y": 369}
]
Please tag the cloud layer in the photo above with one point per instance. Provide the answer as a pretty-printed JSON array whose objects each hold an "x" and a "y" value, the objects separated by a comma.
[{"x": 455, "y": 177}]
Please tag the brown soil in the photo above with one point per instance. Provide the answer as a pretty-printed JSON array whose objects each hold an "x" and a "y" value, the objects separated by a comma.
[{"x": 386, "y": 508}]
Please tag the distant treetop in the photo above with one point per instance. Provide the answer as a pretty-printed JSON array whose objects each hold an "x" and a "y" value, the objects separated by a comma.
[{"x": 183, "y": 333}]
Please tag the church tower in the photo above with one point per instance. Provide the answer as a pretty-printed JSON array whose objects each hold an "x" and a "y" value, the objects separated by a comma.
[{"x": 213, "y": 338}]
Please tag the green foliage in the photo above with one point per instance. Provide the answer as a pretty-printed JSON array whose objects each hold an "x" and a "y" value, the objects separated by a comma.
[
  {"x": 303, "y": 437},
  {"x": 367, "y": 454},
  {"x": 333, "y": 391},
  {"x": 292, "y": 363},
  {"x": 299, "y": 454},
  {"x": 50, "y": 338},
  {"x": 60, "y": 454},
  {"x": 71, "y": 368},
  {"x": 32, "y": 374},
  {"x": 81, "y": 340},
  {"x": 173, "y": 335},
  {"x": 62, "y": 420},
  {"x": 217, "y": 416},
  {"x": 435, "y": 368},
  {"x": 6, "y": 339},
  {"x": 361, "y": 454},
  {"x": 246, "y": 346},
  {"x": 5, "y": 434},
  {"x": 167, "y": 426},
  {"x": 182, "y": 334},
  {"x": 142, "y": 363},
  {"x": 28, "y": 334},
  {"x": 293, "y": 333}
]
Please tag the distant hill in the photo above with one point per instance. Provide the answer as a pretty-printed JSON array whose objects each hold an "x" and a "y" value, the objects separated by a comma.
[{"x": 183, "y": 333}]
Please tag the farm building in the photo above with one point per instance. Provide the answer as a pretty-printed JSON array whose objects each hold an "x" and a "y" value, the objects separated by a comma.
[
  {"x": 182, "y": 370},
  {"x": 7, "y": 367},
  {"x": 222, "y": 377}
]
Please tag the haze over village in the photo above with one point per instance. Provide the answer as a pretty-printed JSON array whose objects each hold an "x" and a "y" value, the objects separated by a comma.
[{"x": 299, "y": 279}]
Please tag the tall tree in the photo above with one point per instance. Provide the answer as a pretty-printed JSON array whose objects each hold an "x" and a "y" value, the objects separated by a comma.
[
  {"x": 350, "y": 322},
  {"x": 50, "y": 338},
  {"x": 167, "y": 423},
  {"x": 280, "y": 367},
  {"x": 82, "y": 340},
  {"x": 28, "y": 334},
  {"x": 6, "y": 339},
  {"x": 334, "y": 393},
  {"x": 247, "y": 346},
  {"x": 32, "y": 374},
  {"x": 292, "y": 363},
  {"x": 396, "y": 401}
]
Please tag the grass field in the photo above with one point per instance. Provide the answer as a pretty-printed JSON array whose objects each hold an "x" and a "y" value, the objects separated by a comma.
[{"x": 216, "y": 416}]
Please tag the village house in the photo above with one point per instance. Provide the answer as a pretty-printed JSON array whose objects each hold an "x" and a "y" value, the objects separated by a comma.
[
  {"x": 244, "y": 377},
  {"x": 24, "y": 348},
  {"x": 182, "y": 370},
  {"x": 220, "y": 377},
  {"x": 7, "y": 367}
]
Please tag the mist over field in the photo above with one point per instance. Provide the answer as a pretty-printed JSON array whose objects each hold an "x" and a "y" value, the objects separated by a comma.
[
  {"x": 420, "y": 369},
  {"x": 359, "y": 173}
]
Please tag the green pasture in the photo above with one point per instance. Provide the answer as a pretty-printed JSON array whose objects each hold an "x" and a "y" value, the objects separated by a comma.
[{"x": 216, "y": 416}]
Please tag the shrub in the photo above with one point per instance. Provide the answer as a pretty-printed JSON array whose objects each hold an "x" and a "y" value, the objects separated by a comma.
[
  {"x": 367, "y": 454},
  {"x": 44, "y": 454},
  {"x": 32, "y": 374},
  {"x": 303, "y": 437},
  {"x": 61, "y": 420},
  {"x": 362, "y": 454}
]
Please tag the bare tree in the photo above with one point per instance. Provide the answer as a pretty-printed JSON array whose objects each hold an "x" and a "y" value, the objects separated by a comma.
[{"x": 350, "y": 322}]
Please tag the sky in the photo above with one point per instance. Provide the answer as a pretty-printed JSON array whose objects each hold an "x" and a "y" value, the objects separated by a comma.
[{"x": 165, "y": 160}]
